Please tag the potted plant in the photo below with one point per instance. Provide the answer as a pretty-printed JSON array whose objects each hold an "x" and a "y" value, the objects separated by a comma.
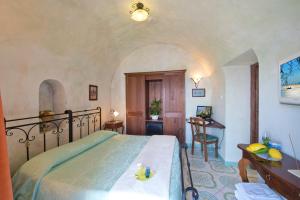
[{"x": 155, "y": 109}]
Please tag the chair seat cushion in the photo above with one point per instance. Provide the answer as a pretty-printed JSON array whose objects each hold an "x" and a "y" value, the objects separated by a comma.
[{"x": 209, "y": 138}]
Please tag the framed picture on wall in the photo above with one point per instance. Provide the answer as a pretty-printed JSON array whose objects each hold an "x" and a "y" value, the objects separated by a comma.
[
  {"x": 198, "y": 92},
  {"x": 93, "y": 92},
  {"x": 289, "y": 80}
]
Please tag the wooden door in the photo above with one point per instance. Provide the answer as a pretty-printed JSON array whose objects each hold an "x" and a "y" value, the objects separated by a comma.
[
  {"x": 174, "y": 104},
  {"x": 254, "y": 95},
  {"x": 135, "y": 104}
]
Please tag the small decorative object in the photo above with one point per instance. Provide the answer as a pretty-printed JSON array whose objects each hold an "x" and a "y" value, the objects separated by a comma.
[
  {"x": 46, "y": 115},
  {"x": 93, "y": 92},
  {"x": 143, "y": 173},
  {"x": 289, "y": 80},
  {"x": 155, "y": 109},
  {"x": 140, "y": 13},
  {"x": 198, "y": 92},
  {"x": 266, "y": 140},
  {"x": 274, "y": 145},
  {"x": 204, "y": 112},
  {"x": 147, "y": 172}
]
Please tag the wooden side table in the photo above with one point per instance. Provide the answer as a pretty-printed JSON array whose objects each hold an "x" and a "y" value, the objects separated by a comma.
[
  {"x": 114, "y": 125},
  {"x": 275, "y": 174}
]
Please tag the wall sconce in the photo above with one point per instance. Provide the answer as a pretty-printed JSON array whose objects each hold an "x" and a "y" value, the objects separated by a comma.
[
  {"x": 196, "y": 81},
  {"x": 139, "y": 13}
]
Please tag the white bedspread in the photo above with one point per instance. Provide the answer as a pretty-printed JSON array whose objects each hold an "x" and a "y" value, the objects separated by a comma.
[{"x": 157, "y": 154}]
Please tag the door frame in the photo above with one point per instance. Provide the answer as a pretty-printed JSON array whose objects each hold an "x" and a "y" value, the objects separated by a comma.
[{"x": 254, "y": 103}]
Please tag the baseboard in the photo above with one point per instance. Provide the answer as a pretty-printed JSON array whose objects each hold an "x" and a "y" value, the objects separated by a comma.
[
  {"x": 209, "y": 148},
  {"x": 228, "y": 163}
]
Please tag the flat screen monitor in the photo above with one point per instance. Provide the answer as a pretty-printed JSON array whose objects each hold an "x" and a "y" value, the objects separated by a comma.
[{"x": 204, "y": 111}]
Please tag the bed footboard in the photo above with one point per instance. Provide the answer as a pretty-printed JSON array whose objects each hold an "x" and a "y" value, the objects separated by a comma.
[{"x": 189, "y": 189}]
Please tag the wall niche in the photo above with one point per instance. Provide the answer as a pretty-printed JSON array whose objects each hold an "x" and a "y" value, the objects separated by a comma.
[{"x": 51, "y": 98}]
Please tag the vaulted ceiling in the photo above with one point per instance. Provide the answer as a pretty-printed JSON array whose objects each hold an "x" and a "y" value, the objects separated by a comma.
[{"x": 102, "y": 31}]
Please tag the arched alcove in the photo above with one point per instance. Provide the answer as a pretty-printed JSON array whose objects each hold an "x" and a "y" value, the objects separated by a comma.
[{"x": 52, "y": 96}]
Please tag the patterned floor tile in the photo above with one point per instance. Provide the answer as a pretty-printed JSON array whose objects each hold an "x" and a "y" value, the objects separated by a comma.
[
  {"x": 218, "y": 166},
  {"x": 213, "y": 179},
  {"x": 197, "y": 163},
  {"x": 229, "y": 196},
  {"x": 207, "y": 196},
  {"x": 229, "y": 181},
  {"x": 203, "y": 179}
]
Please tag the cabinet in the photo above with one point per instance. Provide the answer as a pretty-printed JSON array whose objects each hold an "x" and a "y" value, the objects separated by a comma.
[
  {"x": 142, "y": 88},
  {"x": 174, "y": 108},
  {"x": 135, "y": 104}
]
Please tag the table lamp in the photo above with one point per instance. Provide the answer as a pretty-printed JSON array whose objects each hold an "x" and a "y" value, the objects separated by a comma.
[{"x": 115, "y": 114}]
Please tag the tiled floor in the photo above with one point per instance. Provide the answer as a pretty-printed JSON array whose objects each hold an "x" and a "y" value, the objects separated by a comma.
[{"x": 213, "y": 179}]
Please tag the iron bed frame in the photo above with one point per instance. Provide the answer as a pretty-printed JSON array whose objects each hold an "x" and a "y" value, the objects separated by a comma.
[{"x": 67, "y": 121}]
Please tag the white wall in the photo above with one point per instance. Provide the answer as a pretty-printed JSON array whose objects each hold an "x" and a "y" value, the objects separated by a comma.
[
  {"x": 279, "y": 120},
  {"x": 24, "y": 67},
  {"x": 237, "y": 106},
  {"x": 162, "y": 57}
]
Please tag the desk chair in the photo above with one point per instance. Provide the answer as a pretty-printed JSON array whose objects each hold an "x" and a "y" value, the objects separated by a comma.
[{"x": 199, "y": 134}]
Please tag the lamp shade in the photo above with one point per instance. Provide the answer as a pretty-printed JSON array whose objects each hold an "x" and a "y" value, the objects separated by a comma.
[
  {"x": 115, "y": 113},
  {"x": 139, "y": 15}
]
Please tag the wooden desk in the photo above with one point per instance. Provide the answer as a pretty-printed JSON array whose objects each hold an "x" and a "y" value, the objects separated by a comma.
[
  {"x": 275, "y": 174},
  {"x": 212, "y": 124},
  {"x": 114, "y": 125}
]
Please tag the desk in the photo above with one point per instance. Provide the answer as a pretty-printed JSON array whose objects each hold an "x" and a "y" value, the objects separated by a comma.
[
  {"x": 275, "y": 174},
  {"x": 212, "y": 124},
  {"x": 114, "y": 125}
]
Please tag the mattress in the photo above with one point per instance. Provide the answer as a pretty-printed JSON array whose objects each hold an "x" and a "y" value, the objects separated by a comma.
[{"x": 86, "y": 169}]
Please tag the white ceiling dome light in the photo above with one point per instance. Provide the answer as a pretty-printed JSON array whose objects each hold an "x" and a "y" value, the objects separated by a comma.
[{"x": 139, "y": 13}]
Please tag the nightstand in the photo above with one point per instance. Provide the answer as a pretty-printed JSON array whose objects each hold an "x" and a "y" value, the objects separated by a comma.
[{"x": 114, "y": 125}]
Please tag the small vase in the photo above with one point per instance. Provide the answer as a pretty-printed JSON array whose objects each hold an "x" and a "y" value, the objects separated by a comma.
[{"x": 154, "y": 117}]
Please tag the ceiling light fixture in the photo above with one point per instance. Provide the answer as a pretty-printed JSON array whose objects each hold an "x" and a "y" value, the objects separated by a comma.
[{"x": 139, "y": 13}]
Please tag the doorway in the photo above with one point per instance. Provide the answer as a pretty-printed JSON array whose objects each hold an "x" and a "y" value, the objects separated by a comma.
[{"x": 254, "y": 103}]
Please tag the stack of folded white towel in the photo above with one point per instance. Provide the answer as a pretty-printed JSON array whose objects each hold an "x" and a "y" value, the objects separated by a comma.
[{"x": 255, "y": 191}]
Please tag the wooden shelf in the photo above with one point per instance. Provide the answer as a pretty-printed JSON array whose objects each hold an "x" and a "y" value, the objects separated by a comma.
[{"x": 155, "y": 121}]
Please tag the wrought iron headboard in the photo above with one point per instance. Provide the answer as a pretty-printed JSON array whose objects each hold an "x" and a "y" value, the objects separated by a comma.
[{"x": 25, "y": 126}]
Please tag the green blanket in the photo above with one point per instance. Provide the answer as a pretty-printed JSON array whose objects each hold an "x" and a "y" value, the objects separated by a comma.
[{"x": 85, "y": 169}]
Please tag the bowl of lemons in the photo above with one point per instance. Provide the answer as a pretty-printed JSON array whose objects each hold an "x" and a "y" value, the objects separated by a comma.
[{"x": 264, "y": 152}]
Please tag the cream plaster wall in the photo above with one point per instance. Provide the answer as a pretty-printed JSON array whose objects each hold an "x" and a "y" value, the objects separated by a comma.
[
  {"x": 237, "y": 106},
  {"x": 23, "y": 70},
  {"x": 64, "y": 41},
  {"x": 34, "y": 48},
  {"x": 279, "y": 120}
]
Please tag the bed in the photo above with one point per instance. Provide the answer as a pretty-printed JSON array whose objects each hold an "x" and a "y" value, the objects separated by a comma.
[{"x": 101, "y": 165}]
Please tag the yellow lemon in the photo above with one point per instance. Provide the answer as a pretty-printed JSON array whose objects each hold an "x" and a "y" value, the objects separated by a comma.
[
  {"x": 275, "y": 154},
  {"x": 255, "y": 146}
]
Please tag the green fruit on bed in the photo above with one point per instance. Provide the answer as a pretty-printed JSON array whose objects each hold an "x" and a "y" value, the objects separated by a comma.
[{"x": 261, "y": 151}]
